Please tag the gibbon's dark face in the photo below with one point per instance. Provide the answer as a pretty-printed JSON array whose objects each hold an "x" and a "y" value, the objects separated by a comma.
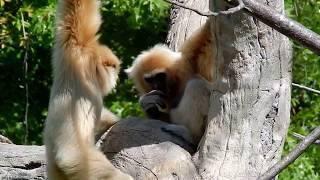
[{"x": 157, "y": 81}]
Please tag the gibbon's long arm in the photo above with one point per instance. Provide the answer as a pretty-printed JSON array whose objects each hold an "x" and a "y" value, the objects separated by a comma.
[{"x": 84, "y": 71}]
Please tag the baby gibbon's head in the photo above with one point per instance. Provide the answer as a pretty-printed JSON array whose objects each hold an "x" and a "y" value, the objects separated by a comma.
[
  {"x": 107, "y": 69},
  {"x": 153, "y": 61}
]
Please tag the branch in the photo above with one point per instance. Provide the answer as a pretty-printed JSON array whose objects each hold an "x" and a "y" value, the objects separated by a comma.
[
  {"x": 283, "y": 24},
  {"x": 26, "y": 86},
  {"x": 5, "y": 140},
  {"x": 209, "y": 13},
  {"x": 271, "y": 17},
  {"x": 302, "y": 137},
  {"x": 306, "y": 88},
  {"x": 292, "y": 156}
]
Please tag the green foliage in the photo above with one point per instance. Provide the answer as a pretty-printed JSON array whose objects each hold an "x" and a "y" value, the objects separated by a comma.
[
  {"x": 129, "y": 27},
  {"x": 32, "y": 39},
  {"x": 305, "y": 105}
]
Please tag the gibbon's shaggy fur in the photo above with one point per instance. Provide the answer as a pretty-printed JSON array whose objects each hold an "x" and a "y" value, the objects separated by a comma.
[
  {"x": 184, "y": 76},
  {"x": 83, "y": 72}
]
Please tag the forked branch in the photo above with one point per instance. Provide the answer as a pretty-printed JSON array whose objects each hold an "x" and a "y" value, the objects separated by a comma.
[
  {"x": 271, "y": 17},
  {"x": 209, "y": 13}
]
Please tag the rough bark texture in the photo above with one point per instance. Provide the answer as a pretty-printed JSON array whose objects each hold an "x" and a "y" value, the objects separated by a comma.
[
  {"x": 184, "y": 22},
  {"x": 144, "y": 148},
  {"x": 249, "y": 116},
  {"x": 22, "y": 162}
]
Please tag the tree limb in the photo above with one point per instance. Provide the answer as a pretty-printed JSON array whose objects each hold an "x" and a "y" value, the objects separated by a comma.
[
  {"x": 210, "y": 13},
  {"x": 274, "y": 19},
  {"x": 292, "y": 156},
  {"x": 306, "y": 88},
  {"x": 302, "y": 137},
  {"x": 283, "y": 24},
  {"x": 5, "y": 140}
]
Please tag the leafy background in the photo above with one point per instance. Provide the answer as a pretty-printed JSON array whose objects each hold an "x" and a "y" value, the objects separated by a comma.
[{"x": 26, "y": 33}]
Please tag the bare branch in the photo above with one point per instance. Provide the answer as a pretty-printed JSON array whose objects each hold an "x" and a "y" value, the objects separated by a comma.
[
  {"x": 292, "y": 156},
  {"x": 302, "y": 137},
  {"x": 306, "y": 88},
  {"x": 271, "y": 17},
  {"x": 210, "y": 13},
  {"x": 26, "y": 86},
  {"x": 281, "y": 23},
  {"x": 5, "y": 140}
]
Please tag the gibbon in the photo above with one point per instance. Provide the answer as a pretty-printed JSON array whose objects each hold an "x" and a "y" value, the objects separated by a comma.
[
  {"x": 175, "y": 86},
  {"x": 84, "y": 71}
]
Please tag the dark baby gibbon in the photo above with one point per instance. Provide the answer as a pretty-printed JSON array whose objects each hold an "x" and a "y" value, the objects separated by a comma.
[
  {"x": 84, "y": 71},
  {"x": 182, "y": 78}
]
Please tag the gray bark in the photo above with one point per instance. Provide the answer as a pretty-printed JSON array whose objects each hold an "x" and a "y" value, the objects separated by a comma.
[
  {"x": 250, "y": 114},
  {"x": 281, "y": 23},
  {"x": 248, "y": 117},
  {"x": 184, "y": 22},
  {"x": 146, "y": 149},
  {"x": 22, "y": 162}
]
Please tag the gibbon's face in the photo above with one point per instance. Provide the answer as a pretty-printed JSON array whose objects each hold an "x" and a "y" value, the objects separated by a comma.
[
  {"x": 109, "y": 70},
  {"x": 150, "y": 66},
  {"x": 157, "y": 81}
]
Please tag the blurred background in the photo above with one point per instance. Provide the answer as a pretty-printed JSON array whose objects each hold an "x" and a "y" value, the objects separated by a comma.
[{"x": 130, "y": 26}]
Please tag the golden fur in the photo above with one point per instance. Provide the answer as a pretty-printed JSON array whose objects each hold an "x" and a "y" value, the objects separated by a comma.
[
  {"x": 83, "y": 72},
  {"x": 194, "y": 58},
  {"x": 189, "y": 72}
]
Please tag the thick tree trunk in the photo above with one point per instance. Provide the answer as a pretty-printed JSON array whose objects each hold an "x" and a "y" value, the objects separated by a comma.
[
  {"x": 248, "y": 118},
  {"x": 250, "y": 113}
]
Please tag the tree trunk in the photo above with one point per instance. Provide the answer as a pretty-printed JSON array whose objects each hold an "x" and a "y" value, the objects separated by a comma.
[
  {"x": 184, "y": 22},
  {"x": 250, "y": 113},
  {"x": 248, "y": 118}
]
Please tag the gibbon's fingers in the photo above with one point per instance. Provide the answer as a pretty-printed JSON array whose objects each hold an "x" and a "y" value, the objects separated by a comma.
[
  {"x": 155, "y": 105},
  {"x": 154, "y": 99}
]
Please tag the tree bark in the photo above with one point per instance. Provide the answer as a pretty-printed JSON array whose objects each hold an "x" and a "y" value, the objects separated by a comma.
[
  {"x": 248, "y": 118},
  {"x": 250, "y": 114},
  {"x": 22, "y": 162},
  {"x": 184, "y": 22}
]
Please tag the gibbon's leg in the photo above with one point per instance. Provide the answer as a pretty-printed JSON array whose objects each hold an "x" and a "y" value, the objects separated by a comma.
[
  {"x": 106, "y": 120},
  {"x": 193, "y": 108}
]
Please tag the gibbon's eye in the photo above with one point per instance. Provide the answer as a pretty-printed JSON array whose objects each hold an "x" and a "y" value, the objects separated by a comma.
[{"x": 157, "y": 81}]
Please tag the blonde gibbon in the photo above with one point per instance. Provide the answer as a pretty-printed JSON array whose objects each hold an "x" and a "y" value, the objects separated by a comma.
[
  {"x": 84, "y": 71},
  {"x": 175, "y": 86}
]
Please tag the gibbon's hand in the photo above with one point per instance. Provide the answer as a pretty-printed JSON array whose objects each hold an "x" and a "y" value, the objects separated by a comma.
[{"x": 154, "y": 105}]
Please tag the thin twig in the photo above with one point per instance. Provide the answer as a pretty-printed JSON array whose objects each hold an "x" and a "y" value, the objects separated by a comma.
[
  {"x": 209, "y": 13},
  {"x": 302, "y": 137},
  {"x": 306, "y": 88},
  {"x": 292, "y": 156},
  {"x": 26, "y": 86}
]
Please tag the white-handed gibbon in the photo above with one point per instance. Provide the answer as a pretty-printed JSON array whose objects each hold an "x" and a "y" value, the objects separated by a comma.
[
  {"x": 175, "y": 86},
  {"x": 84, "y": 71}
]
